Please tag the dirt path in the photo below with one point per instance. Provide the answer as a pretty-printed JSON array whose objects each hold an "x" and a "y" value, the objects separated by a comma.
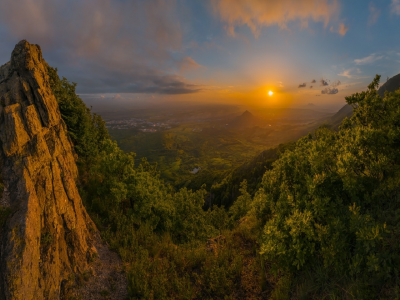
[{"x": 106, "y": 279}]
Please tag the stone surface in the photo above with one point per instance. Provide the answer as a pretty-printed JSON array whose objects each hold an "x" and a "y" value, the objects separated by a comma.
[{"x": 47, "y": 238}]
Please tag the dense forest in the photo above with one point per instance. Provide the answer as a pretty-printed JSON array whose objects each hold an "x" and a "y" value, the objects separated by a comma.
[{"x": 321, "y": 223}]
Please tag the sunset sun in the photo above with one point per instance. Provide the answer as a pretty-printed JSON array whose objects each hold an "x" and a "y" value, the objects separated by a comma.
[{"x": 270, "y": 93}]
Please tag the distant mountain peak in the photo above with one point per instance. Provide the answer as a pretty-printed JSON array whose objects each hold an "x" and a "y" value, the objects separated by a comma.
[
  {"x": 247, "y": 113},
  {"x": 246, "y": 119}
]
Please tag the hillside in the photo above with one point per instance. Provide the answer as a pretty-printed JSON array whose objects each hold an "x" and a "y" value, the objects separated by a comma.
[
  {"x": 227, "y": 191},
  {"x": 345, "y": 112},
  {"x": 390, "y": 85}
]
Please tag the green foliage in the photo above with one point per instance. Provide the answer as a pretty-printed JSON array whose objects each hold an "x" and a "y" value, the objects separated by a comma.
[
  {"x": 333, "y": 202},
  {"x": 116, "y": 187},
  {"x": 86, "y": 130},
  {"x": 226, "y": 191},
  {"x": 242, "y": 204},
  {"x": 161, "y": 234}
]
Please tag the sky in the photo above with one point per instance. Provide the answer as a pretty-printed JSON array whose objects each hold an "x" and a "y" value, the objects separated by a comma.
[{"x": 211, "y": 51}]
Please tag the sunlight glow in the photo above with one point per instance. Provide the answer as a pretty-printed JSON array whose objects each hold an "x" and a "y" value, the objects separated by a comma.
[{"x": 270, "y": 93}]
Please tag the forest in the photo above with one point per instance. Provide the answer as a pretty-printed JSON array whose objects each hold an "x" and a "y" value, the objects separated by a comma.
[{"x": 322, "y": 222}]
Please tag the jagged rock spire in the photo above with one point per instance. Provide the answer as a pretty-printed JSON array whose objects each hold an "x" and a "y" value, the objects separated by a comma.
[{"x": 47, "y": 237}]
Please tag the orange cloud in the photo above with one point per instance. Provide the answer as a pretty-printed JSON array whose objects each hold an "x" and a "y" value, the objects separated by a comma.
[
  {"x": 261, "y": 13},
  {"x": 342, "y": 29}
]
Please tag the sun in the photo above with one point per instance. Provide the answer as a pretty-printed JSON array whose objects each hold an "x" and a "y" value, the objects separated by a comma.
[{"x": 270, "y": 93}]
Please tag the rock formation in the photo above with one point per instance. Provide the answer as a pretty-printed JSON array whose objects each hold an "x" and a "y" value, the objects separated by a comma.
[{"x": 47, "y": 237}]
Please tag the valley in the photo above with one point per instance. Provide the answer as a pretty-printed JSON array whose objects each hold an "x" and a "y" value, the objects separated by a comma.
[{"x": 216, "y": 139}]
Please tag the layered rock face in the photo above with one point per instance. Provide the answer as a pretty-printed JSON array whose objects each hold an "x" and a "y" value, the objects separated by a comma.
[{"x": 46, "y": 239}]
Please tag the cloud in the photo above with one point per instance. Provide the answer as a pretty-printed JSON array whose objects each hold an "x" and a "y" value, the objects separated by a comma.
[
  {"x": 342, "y": 30},
  {"x": 323, "y": 82},
  {"x": 106, "y": 46},
  {"x": 329, "y": 91},
  {"x": 367, "y": 60},
  {"x": 395, "y": 7},
  {"x": 188, "y": 64},
  {"x": 313, "y": 81},
  {"x": 257, "y": 14},
  {"x": 374, "y": 14},
  {"x": 311, "y": 86},
  {"x": 121, "y": 80},
  {"x": 348, "y": 73},
  {"x": 302, "y": 85}
]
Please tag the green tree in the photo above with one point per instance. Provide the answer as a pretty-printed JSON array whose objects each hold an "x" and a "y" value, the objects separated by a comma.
[{"x": 87, "y": 130}]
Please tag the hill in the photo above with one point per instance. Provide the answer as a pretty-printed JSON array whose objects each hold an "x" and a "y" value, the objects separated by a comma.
[
  {"x": 245, "y": 120},
  {"x": 345, "y": 112},
  {"x": 390, "y": 85}
]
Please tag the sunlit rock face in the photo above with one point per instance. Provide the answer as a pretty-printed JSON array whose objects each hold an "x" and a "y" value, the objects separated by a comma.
[{"x": 46, "y": 239}]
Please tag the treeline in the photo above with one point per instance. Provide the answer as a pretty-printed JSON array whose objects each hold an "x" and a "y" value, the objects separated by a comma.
[{"x": 321, "y": 223}]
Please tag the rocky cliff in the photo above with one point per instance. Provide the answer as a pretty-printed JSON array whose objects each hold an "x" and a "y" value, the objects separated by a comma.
[{"x": 46, "y": 239}]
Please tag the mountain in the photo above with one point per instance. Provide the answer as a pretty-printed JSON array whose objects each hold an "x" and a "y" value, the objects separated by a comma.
[
  {"x": 47, "y": 237},
  {"x": 345, "y": 112},
  {"x": 390, "y": 85},
  {"x": 245, "y": 120}
]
